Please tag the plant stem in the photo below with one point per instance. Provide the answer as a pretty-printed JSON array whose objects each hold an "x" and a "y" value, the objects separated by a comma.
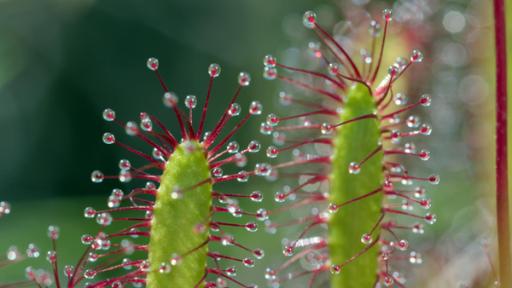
[{"x": 502, "y": 208}]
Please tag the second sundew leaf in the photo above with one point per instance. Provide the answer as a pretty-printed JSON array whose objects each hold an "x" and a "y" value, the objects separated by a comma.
[
  {"x": 352, "y": 143},
  {"x": 177, "y": 218}
]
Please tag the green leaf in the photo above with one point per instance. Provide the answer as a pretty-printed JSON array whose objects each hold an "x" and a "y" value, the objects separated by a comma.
[
  {"x": 175, "y": 221},
  {"x": 353, "y": 143}
]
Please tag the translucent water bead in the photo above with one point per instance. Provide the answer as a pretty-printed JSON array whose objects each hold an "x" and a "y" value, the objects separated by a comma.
[
  {"x": 5, "y": 208},
  {"x": 152, "y": 64},
  {"x": 109, "y": 115},
  {"x": 309, "y": 19},
  {"x": 387, "y": 15},
  {"x": 214, "y": 70},
  {"x": 244, "y": 79}
]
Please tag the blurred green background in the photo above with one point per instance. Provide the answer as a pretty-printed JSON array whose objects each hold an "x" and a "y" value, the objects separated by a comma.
[{"x": 63, "y": 61}]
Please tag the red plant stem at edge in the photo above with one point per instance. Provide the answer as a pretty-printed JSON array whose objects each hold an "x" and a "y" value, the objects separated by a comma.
[{"x": 502, "y": 208}]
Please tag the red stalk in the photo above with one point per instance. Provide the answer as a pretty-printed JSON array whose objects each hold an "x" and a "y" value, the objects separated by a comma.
[{"x": 502, "y": 209}]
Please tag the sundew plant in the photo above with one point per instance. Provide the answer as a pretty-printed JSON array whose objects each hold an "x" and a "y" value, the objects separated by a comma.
[
  {"x": 361, "y": 191},
  {"x": 166, "y": 231},
  {"x": 345, "y": 189}
]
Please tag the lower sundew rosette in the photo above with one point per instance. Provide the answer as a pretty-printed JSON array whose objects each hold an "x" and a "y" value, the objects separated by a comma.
[
  {"x": 165, "y": 232},
  {"x": 355, "y": 195}
]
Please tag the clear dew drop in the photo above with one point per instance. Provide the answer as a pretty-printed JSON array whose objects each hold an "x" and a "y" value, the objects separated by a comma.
[
  {"x": 104, "y": 219},
  {"x": 127, "y": 265},
  {"x": 425, "y": 100},
  {"x": 32, "y": 251},
  {"x": 425, "y": 203},
  {"x": 262, "y": 214},
  {"x": 240, "y": 160},
  {"x": 190, "y": 101},
  {"x": 263, "y": 169},
  {"x": 387, "y": 15},
  {"x": 242, "y": 176},
  {"x": 279, "y": 197},
  {"x": 424, "y": 155},
  {"x": 416, "y": 56},
  {"x": 125, "y": 176},
  {"x": 425, "y": 129},
  {"x": 266, "y": 129},
  {"x": 109, "y": 115},
  {"x": 402, "y": 245},
  {"x": 90, "y": 274},
  {"x": 109, "y": 138},
  {"x": 244, "y": 79},
  {"x": 430, "y": 218},
  {"x": 335, "y": 269},
  {"x": 13, "y": 254},
  {"x": 255, "y": 108},
  {"x": 86, "y": 239},
  {"x": 92, "y": 257},
  {"x": 254, "y": 146},
  {"x": 214, "y": 70},
  {"x": 288, "y": 250},
  {"x": 415, "y": 258},
  {"x": 366, "y": 239},
  {"x": 326, "y": 128},
  {"x": 374, "y": 28},
  {"x": 217, "y": 172},
  {"x": 231, "y": 271},
  {"x": 309, "y": 19},
  {"x": 145, "y": 266},
  {"x": 354, "y": 168},
  {"x": 314, "y": 49},
  {"x": 388, "y": 281},
  {"x": 413, "y": 121},
  {"x": 270, "y": 274},
  {"x": 251, "y": 227},
  {"x": 401, "y": 63},
  {"x": 248, "y": 262},
  {"x": 278, "y": 138},
  {"x": 53, "y": 232},
  {"x": 164, "y": 268},
  {"x": 285, "y": 99},
  {"x": 269, "y": 61},
  {"x": 145, "y": 123},
  {"x": 124, "y": 164},
  {"x": 419, "y": 192},
  {"x": 269, "y": 73},
  {"x": 234, "y": 109},
  {"x": 258, "y": 253},
  {"x": 256, "y": 196},
  {"x": 434, "y": 179},
  {"x": 177, "y": 193},
  {"x": 232, "y": 147},
  {"x": 417, "y": 228},
  {"x": 152, "y": 64},
  {"x": 175, "y": 259},
  {"x": 170, "y": 99},
  {"x": 97, "y": 176},
  {"x": 113, "y": 202},
  {"x": 272, "y": 152},
  {"x": 333, "y": 208},
  {"x": 68, "y": 271},
  {"x": 409, "y": 147},
  {"x": 393, "y": 70},
  {"x": 400, "y": 99},
  {"x": 131, "y": 128},
  {"x": 334, "y": 69},
  {"x": 5, "y": 208}
]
